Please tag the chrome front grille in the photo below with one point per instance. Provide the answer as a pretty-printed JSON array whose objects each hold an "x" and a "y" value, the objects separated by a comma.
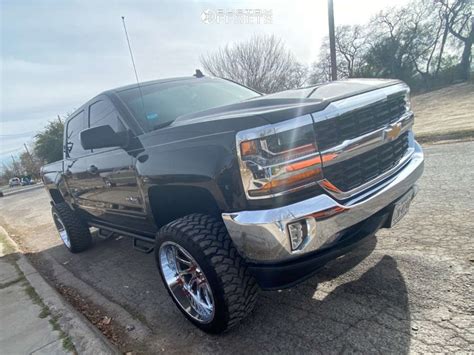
[
  {"x": 360, "y": 141},
  {"x": 334, "y": 131},
  {"x": 356, "y": 171}
]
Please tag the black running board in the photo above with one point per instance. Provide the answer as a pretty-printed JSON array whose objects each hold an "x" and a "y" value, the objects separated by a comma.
[{"x": 141, "y": 243}]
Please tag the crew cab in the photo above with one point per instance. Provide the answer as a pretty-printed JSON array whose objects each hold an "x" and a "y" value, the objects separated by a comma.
[{"x": 235, "y": 191}]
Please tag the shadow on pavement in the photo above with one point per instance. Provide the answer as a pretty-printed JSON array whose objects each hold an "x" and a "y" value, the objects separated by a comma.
[{"x": 363, "y": 310}]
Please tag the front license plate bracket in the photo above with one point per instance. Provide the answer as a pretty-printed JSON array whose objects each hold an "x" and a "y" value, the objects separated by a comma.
[{"x": 400, "y": 208}]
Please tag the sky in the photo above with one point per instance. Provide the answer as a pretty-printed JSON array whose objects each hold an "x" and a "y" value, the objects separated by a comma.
[{"x": 55, "y": 55}]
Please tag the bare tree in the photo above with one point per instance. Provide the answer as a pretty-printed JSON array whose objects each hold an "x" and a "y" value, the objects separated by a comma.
[
  {"x": 460, "y": 23},
  {"x": 350, "y": 46},
  {"x": 350, "y": 43},
  {"x": 7, "y": 172},
  {"x": 425, "y": 29},
  {"x": 418, "y": 43},
  {"x": 262, "y": 63},
  {"x": 444, "y": 37},
  {"x": 320, "y": 71},
  {"x": 394, "y": 33},
  {"x": 30, "y": 163}
]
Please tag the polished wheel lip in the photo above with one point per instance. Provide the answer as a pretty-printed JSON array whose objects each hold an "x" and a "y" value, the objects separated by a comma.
[
  {"x": 61, "y": 230},
  {"x": 189, "y": 287}
]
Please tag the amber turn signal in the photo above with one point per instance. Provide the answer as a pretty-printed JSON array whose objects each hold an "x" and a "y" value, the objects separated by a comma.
[{"x": 248, "y": 148}]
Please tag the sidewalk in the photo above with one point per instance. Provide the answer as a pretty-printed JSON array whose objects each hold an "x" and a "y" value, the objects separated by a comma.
[
  {"x": 26, "y": 326},
  {"x": 34, "y": 319}
]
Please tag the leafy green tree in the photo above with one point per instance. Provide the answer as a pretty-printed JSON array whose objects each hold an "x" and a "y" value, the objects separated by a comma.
[{"x": 49, "y": 142}]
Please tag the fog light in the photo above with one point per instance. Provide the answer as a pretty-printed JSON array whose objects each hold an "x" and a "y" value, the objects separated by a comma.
[{"x": 298, "y": 232}]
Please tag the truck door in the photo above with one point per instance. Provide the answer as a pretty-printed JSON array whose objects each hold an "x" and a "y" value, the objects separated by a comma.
[
  {"x": 114, "y": 196},
  {"x": 75, "y": 164}
]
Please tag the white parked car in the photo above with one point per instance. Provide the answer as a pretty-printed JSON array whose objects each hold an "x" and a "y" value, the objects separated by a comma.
[{"x": 14, "y": 182}]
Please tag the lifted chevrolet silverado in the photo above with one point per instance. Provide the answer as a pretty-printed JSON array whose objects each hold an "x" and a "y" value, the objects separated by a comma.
[{"x": 233, "y": 190}]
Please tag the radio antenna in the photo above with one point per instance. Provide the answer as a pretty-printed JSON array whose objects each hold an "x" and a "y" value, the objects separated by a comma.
[{"x": 134, "y": 67}]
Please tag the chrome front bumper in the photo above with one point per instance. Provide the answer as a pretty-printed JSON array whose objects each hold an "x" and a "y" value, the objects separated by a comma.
[{"x": 262, "y": 236}]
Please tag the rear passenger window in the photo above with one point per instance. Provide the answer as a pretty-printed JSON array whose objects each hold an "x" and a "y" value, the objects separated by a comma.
[
  {"x": 103, "y": 113},
  {"x": 73, "y": 140}
]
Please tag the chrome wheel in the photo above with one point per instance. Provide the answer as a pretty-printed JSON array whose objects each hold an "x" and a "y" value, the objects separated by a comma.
[
  {"x": 187, "y": 282},
  {"x": 61, "y": 230}
]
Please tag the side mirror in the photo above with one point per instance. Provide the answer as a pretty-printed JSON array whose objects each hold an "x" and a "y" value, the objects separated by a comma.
[{"x": 103, "y": 137}]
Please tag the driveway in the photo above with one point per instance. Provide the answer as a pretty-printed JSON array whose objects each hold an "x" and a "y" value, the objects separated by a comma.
[{"x": 409, "y": 289}]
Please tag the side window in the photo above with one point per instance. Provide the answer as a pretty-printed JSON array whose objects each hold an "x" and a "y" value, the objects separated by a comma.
[
  {"x": 73, "y": 140},
  {"x": 103, "y": 113}
]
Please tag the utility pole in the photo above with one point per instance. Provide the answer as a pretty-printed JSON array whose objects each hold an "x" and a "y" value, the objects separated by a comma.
[
  {"x": 332, "y": 40},
  {"x": 15, "y": 167},
  {"x": 28, "y": 152},
  {"x": 31, "y": 161}
]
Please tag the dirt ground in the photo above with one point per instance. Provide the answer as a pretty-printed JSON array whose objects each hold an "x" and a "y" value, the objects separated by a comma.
[
  {"x": 407, "y": 290},
  {"x": 445, "y": 111}
]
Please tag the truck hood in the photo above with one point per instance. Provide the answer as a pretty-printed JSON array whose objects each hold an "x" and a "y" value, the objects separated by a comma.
[{"x": 288, "y": 104}]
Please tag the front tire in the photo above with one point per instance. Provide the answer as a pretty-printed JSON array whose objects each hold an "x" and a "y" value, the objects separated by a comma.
[
  {"x": 204, "y": 274},
  {"x": 74, "y": 233}
]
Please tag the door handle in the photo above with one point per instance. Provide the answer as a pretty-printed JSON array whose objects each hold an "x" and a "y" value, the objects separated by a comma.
[{"x": 92, "y": 169}]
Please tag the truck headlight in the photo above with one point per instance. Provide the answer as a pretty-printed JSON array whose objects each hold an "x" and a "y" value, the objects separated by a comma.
[
  {"x": 407, "y": 100},
  {"x": 280, "y": 160}
]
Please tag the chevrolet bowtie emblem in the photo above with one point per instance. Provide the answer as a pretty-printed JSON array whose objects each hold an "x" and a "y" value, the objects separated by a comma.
[{"x": 393, "y": 131}]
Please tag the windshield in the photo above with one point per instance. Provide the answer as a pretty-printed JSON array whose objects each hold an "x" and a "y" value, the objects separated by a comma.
[{"x": 164, "y": 102}]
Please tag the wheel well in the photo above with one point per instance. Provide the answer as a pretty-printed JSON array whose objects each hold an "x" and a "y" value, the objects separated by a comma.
[
  {"x": 172, "y": 202},
  {"x": 56, "y": 196}
]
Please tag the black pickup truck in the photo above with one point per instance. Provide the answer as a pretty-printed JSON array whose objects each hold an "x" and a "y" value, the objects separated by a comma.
[{"x": 233, "y": 190}]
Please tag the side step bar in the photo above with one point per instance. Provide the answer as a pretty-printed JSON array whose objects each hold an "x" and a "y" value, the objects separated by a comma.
[
  {"x": 144, "y": 247},
  {"x": 140, "y": 243},
  {"x": 104, "y": 234}
]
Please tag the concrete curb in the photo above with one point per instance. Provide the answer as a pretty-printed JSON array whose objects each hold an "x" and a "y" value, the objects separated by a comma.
[
  {"x": 19, "y": 191},
  {"x": 85, "y": 337},
  {"x": 445, "y": 137}
]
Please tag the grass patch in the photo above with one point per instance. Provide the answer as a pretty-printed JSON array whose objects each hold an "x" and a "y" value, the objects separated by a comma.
[
  {"x": 68, "y": 345},
  {"x": 44, "y": 313},
  {"x": 54, "y": 323},
  {"x": 66, "y": 340},
  {"x": 9, "y": 283},
  {"x": 30, "y": 291},
  {"x": 10, "y": 255}
]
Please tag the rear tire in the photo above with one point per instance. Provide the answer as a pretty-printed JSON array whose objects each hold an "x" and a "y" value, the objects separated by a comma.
[
  {"x": 204, "y": 240},
  {"x": 73, "y": 231}
]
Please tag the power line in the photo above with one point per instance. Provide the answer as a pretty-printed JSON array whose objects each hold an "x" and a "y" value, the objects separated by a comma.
[{"x": 17, "y": 135}]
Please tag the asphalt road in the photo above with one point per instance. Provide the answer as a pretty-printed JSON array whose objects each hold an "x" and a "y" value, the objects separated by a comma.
[{"x": 409, "y": 289}]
